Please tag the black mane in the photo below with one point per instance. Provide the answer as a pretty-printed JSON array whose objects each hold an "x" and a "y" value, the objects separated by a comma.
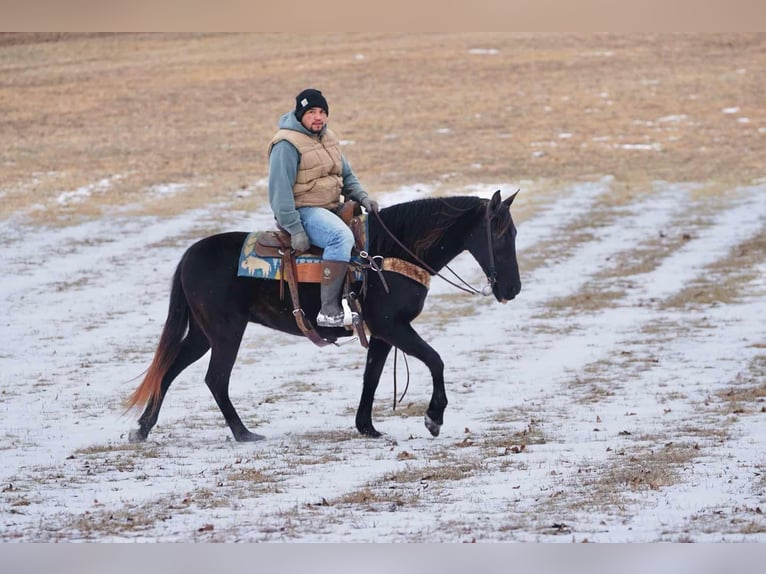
[{"x": 423, "y": 223}]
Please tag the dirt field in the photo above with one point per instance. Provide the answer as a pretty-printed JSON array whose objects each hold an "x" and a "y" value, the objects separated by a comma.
[
  {"x": 620, "y": 397},
  {"x": 199, "y": 110}
]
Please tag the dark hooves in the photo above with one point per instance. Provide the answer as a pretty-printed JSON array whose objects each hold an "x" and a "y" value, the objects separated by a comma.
[
  {"x": 136, "y": 436},
  {"x": 369, "y": 431},
  {"x": 248, "y": 436},
  {"x": 433, "y": 427}
]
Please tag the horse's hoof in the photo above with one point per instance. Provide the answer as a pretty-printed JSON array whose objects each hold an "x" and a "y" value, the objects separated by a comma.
[
  {"x": 432, "y": 426},
  {"x": 369, "y": 431},
  {"x": 136, "y": 435},
  {"x": 248, "y": 437}
]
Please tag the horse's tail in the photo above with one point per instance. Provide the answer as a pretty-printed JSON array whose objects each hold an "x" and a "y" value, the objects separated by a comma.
[{"x": 173, "y": 332}]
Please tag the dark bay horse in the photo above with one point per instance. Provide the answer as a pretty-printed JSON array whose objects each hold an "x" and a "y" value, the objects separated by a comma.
[{"x": 210, "y": 306}]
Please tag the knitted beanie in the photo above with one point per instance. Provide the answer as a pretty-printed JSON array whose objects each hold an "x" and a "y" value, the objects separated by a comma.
[{"x": 307, "y": 99}]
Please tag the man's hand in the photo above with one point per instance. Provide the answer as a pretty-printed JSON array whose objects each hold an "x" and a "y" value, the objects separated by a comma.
[
  {"x": 370, "y": 204},
  {"x": 300, "y": 242}
]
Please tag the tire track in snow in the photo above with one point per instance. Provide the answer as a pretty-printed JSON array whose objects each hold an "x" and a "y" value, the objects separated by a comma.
[
  {"x": 570, "y": 352},
  {"x": 630, "y": 227},
  {"x": 574, "y": 208},
  {"x": 576, "y": 204},
  {"x": 616, "y": 328},
  {"x": 691, "y": 355},
  {"x": 679, "y": 269},
  {"x": 686, "y": 361},
  {"x": 106, "y": 259},
  {"x": 45, "y": 258},
  {"x": 633, "y": 417},
  {"x": 633, "y": 225},
  {"x": 309, "y": 485}
]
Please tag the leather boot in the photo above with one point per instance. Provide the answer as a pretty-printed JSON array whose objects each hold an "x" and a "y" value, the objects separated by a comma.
[{"x": 333, "y": 276}]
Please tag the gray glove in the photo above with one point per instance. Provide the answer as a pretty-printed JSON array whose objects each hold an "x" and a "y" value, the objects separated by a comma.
[
  {"x": 300, "y": 242},
  {"x": 370, "y": 204}
]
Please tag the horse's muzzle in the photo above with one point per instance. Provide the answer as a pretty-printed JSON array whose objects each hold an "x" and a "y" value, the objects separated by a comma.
[{"x": 508, "y": 296}]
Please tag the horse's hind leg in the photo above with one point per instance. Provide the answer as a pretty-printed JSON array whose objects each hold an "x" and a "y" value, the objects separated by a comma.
[
  {"x": 222, "y": 359},
  {"x": 376, "y": 359},
  {"x": 194, "y": 345}
]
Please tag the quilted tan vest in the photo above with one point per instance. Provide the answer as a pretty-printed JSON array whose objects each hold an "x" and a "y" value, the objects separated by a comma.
[{"x": 319, "y": 181}]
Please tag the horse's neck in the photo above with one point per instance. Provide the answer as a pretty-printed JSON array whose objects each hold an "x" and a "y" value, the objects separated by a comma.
[
  {"x": 444, "y": 251},
  {"x": 451, "y": 243}
]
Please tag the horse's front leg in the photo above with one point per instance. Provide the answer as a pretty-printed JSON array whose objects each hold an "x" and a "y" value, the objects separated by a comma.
[
  {"x": 376, "y": 359},
  {"x": 412, "y": 344}
]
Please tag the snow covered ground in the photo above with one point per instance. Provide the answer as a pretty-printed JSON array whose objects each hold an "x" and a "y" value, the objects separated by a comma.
[{"x": 591, "y": 408}]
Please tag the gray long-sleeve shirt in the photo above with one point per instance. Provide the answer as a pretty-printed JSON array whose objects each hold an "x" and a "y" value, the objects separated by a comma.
[{"x": 283, "y": 169}]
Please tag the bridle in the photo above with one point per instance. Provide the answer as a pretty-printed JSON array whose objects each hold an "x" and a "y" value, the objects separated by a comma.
[
  {"x": 486, "y": 290},
  {"x": 491, "y": 274}
]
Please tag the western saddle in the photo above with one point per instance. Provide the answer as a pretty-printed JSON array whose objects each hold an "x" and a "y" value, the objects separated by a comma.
[{"x": 277, "y": 244}]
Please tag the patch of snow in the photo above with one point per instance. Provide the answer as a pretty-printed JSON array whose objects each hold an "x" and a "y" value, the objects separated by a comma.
[
  {"x": 642, "y": 147},
  {"x": 484, "y": 51},
  {"x": 78, "y": 328},
  {"x": 84, "y": 192},
  {"x": 168, "y": 188},
  {"x": 673, "y": 118}
]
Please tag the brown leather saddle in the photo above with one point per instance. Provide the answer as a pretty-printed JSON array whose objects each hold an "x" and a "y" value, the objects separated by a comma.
[{"x": 277, "y": 243}]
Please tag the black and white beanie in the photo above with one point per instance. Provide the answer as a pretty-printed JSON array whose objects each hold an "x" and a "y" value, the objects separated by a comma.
[{"x": 307, "y": 99}]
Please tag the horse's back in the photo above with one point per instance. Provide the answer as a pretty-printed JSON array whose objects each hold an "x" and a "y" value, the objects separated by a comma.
[
  {"x": 214, "y": 288},
  {"x": 216, "y": 249},
  {"x": 212, "y": 261}
]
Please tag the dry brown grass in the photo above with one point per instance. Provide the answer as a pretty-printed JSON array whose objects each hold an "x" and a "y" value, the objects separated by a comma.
[
  {"x": 199, "y": 109},
  {"x": 645, "y": 468},
  {"x": 609, "y": 487},
  {"x": 140, "y": 110},
  {"x": 725, "y": 280},
  {"x": 747, "y": 393},
  {"x": 368, "y": 499}
]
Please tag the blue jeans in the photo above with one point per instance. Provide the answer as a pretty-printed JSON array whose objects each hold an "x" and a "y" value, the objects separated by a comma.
[{"x": 328, "y": 231}]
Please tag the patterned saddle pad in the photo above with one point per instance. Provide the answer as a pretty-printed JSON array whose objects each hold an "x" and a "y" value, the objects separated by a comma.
[{"x": 308, "y": 265}]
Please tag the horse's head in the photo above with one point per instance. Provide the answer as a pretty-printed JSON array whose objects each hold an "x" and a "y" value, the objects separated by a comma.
[{"x": 495, "y": 248}]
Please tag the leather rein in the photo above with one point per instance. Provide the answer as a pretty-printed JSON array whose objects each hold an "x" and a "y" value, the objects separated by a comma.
[
  {"x": 487, "y": 290},
  {"x": 290, "y": 274},
  {"x": 491, "y": 275}
]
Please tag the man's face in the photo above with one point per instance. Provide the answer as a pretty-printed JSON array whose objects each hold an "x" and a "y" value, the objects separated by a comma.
[{"x": 314, "y": 119}]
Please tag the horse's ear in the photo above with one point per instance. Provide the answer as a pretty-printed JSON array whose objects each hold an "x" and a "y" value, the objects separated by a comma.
[
  {"x": 494, "y": 203},
  {"x": 509, "y": 201}
]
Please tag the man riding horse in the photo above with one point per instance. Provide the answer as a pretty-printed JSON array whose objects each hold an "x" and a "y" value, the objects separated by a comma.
[
  {"x": 307, "y": 176},
  {"x": 211, "y": 305}
]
